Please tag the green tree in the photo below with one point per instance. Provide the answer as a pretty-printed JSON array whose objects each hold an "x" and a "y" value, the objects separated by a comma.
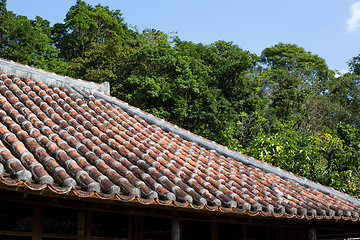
[
  {"x": 324, "y": 158},
  {"x": 299, "y": 87},
  {"x": 84, "y": 25},
  {"x": 345, "y": 97},
  {"x": 6, "y": 23},
  {"x": 231, "y": 70},
  {"x": 27, "y": 41},
  {"x": 354, "y": 65},
  {"x": 166, "y": 83}
]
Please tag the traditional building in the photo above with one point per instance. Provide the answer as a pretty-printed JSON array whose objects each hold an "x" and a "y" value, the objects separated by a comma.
[{"x": 76, "y": 163}]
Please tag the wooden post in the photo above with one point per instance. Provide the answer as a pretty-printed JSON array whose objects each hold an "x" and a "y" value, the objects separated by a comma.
[
  {"x": 312, "y": 234},
  {"x": 175, "y": 229},
  {"x": 138, "y": 227},
  {"x": 214, "y": 231},
  {"x": 130, "y": 227},
  {"x": 88, "y": 224},
  {"x": 81, "y": 224},
  {"x": 244, "y": 232},
  {"x": 37, "y": 222}
]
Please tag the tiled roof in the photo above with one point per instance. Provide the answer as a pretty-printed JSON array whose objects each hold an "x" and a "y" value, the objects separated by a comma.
[{"x": 67, "y": 136}]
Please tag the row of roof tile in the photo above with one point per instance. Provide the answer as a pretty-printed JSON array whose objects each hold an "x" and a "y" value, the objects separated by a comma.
[{"x": 68, "y": 141}]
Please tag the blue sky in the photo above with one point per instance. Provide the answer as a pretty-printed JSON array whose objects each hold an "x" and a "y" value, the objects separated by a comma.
[{"x": 328, "y": 28}]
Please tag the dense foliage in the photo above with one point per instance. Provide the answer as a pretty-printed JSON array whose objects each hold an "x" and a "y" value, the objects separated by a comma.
[{"x": 285, "y": 107}]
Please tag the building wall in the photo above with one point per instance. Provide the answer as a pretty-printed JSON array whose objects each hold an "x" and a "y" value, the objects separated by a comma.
[{"x": 28, "y": 217}]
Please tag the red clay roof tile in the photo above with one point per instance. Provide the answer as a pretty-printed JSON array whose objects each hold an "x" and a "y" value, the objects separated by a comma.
[{"x": 66, "y": 140}]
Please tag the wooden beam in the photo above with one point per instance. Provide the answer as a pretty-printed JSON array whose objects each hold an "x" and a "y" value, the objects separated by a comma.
[
  {"x": 61, "y": 236},
  {"x": 175, "y": 229},
  {"x": 15, "y": 233}
]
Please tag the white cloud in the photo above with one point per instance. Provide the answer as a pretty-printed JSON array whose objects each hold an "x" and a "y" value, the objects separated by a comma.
[
  {"x": 354, "y": 21},
  {"x": 341, "y": 72}
]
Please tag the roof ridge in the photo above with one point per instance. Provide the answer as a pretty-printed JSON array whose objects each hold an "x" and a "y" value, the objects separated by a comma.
[
  {"x": 223, "y": 150},
  {"x": 49, "y": 78}
]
